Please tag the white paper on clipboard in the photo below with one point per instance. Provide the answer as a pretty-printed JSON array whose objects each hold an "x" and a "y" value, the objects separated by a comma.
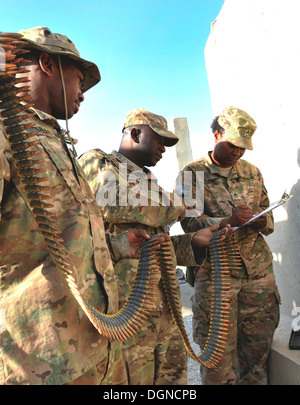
[{"x": 284, "y": 198}]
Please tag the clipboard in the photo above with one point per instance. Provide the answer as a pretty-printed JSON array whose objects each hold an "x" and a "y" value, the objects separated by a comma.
[{"x": 284, "y": 198}]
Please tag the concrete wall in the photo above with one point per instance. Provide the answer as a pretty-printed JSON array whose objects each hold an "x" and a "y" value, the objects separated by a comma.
[{"x": 253, "y": 62}]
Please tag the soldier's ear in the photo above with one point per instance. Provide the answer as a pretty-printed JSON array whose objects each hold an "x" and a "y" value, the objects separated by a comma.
[
  {"x": 47, "y": 64},
  {"x": 218, "y": 136},
  {"x": 135, "y": 134}
]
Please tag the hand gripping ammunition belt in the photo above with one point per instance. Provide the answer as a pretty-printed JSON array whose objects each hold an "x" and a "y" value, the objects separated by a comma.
[
  {"x": 224, "y": 255},
  {"x": 119, "y": 326}
]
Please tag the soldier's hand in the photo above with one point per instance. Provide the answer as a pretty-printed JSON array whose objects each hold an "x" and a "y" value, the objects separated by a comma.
[
  {"x": 259, "y": 223},
  {"x": 240, "y": 215},
  {"x": 203, "y": 236},
  {"x": 137, "y": 238}
]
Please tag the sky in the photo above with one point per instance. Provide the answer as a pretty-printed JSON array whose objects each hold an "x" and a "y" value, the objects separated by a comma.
[{"x": 150, "y": 54}]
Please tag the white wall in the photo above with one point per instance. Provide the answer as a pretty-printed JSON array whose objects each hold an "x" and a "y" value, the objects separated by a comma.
[{"x": 253, "y": 62}]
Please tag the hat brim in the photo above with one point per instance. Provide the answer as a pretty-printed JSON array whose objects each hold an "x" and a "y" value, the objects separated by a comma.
[
  {"x": 170, "y": 138},
  {"x": 90, "y": 70},
  {"x": 240, "y": 142}
]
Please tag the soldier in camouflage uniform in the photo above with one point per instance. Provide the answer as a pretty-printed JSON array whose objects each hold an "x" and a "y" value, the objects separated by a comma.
[
  {"x": 45, "y": 338},
  {"x": 156, "y": 355},
  {"x": 233, "y": 191}
]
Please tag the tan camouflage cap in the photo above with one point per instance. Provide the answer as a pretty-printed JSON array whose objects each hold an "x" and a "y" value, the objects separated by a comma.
[
  {"x": 155, "y": 122},
  {"x": 239, "y": 127},
  {"x": 42, "y": 39}
]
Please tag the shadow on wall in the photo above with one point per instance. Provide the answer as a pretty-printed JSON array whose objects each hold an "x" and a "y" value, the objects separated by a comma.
[{"x": 285, "y": 245}]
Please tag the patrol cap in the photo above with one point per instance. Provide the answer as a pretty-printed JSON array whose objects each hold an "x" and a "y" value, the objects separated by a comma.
[
  {"x": 239, "y": 127},
  {"x": 155, "y": 122},
  {"x": 42, "y": 39}
]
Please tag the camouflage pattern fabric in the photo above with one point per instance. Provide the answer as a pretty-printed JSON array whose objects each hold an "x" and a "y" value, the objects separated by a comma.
[
  {"x": 156, "y": 356},
  {"x": 109, "y": 371},
  {"x": 44, "y": 40},
  {"x": 47, "y": 339},
  {"x": 253, "y": 317},
  {"x": 156, "y": 122},
  {"x": 101, "y": 169},
  {"x": 239, "y": 127},
  {"x": 253, "y": 287}
]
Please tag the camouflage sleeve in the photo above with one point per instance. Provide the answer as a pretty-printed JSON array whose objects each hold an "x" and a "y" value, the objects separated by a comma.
[
  {"x": 92, "y": 166},
  {"x": 193, "y": 224},
  {"x": 186, "y": 255},
  {"x": 127, "y": 196},
  {"x": 190, "y": 185},
  {"x": 118, "y": 246},
  {"x": 259, "y": 195},
  {"x": 264, "y": 203}
]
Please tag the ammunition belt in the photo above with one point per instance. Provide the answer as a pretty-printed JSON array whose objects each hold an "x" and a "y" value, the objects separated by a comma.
[
  {"x": 129, "y": 319},
  {"x": 224, "y": 255},
  {"x": 29, "y": 162}
]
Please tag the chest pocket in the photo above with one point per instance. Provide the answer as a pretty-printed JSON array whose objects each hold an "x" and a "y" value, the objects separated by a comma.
[
  {"x": 246, "y": 190},
  {"x": 63, "y": 164}
]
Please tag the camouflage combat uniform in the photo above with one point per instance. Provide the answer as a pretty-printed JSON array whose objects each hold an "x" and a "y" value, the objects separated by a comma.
[
  {"x": 45, "y": 338},
  {"x": 253, "y": 294},
  {"x": 156, "y": 355}
]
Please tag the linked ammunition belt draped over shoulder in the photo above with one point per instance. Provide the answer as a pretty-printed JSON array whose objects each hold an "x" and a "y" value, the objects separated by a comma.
[
  {"x": 29, "y": 162},
  {"x": 129, "y": 319}
]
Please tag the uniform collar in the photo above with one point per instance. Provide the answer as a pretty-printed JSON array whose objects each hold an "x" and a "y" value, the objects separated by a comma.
[
  {"x": 46, "y": 117},
  {"x": 54, "y": 123},
  {"x": 132, "y": 166},
  {"x": 124, "y": 159},
  {"x": 236, "y": 168}
]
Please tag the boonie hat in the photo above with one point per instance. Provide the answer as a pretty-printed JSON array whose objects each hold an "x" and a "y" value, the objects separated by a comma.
[
  {"x": 42, "y": 39},
  {"x": 239, "y": 127},
  {"x": 155, "y": 122}
]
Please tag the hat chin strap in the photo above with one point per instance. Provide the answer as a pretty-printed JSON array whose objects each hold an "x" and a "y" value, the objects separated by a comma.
[{"x": 70, "y": 140}]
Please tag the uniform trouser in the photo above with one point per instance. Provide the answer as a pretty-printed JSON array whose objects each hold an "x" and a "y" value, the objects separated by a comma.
[
  {"x": 156, "y": 354},
  {"x": 109, "y": 371},
  {"x": 254, "y": 316}
]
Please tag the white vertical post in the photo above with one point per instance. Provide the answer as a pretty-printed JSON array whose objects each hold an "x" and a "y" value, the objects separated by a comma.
[{"x": 183, "y": 147}]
